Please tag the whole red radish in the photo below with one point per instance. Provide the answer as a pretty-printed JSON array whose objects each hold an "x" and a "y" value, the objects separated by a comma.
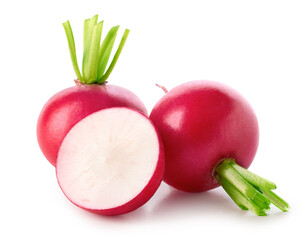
[
  {"x": 201, "y": 123},
  {"x": 91, "y": 92},
  {"x": 111, "y": 162},
  {"x": 210, "y": 135}
]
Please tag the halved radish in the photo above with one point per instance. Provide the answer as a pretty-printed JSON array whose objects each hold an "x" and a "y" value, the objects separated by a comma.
[{"x": 111, "y": 162}]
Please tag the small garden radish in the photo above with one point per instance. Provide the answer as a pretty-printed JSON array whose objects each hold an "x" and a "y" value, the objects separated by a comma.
[
  {"x": 210, "y": 135},
  {"x": 91, "y": 92},
  {"x": 111, "y": 162},
  {"x": 108, "y": 155}
]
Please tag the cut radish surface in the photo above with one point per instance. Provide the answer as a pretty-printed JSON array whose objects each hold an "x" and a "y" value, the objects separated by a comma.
[{"x": 111, "y": 162}]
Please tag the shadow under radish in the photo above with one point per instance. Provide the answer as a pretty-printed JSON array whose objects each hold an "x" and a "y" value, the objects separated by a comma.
[{"x": 176, "y": 204}]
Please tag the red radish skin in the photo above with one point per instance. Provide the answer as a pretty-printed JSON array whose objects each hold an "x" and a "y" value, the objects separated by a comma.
[
  {"x": 67, "y": 107},
  {"x": 89, "y": 162},
  {"x": 201, "y": 123}
]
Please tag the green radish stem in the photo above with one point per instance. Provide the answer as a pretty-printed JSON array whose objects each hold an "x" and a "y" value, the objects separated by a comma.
[
  {"x": 115, "y": 58},
  {"x": 105, "y": 50},
  {"x": 95, "y": 54},
  {"x": 247, "y": 190},
  {"x": 87, "y": 35},
  {"x": 71, "y": 45}
]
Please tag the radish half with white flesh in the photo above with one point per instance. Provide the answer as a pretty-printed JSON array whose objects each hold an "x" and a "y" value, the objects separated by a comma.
[{"x": 111, "y": 162}]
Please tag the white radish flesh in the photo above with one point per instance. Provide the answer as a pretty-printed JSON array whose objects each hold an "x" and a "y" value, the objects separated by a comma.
[{"x": 107, "y": 159}]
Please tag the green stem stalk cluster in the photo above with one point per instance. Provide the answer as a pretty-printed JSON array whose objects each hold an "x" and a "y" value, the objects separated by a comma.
[
  {"x": 95, "y": 54},
  {"x": 247, "y": 190}
]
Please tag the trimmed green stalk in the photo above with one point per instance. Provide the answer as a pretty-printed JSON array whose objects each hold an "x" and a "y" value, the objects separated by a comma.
[
  {"x": 72, "y": 48},
  {"x": 241, "y": 200},
  {"x": 248, "y": 190},
  {"x": 95, "y": 54},
  {"x": 92, "y": 62},
  {"x": 87, "y": 35},
  {"x": 105, "y": 50},
  {"x": 115, "y": 57}
]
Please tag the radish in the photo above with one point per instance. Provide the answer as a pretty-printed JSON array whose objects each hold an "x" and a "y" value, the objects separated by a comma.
[
  {"x": 210, "y": 135},
  {"x": 111, "y": 162},
  {"x": 91, "y": 93},
  {"x": 108, "y": 155}
]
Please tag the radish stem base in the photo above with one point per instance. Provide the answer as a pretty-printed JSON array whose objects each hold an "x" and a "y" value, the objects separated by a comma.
[{"x": 248, "y": 190}]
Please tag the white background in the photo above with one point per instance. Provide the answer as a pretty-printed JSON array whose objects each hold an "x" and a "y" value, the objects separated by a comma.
[{"x": 259, "y": 48}]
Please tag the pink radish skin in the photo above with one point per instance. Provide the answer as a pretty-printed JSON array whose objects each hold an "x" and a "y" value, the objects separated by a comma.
[
  {"x": 201, "y": 123},
  {"x": 109, "y": 152},
  {"x": 67, "y": 107}
]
